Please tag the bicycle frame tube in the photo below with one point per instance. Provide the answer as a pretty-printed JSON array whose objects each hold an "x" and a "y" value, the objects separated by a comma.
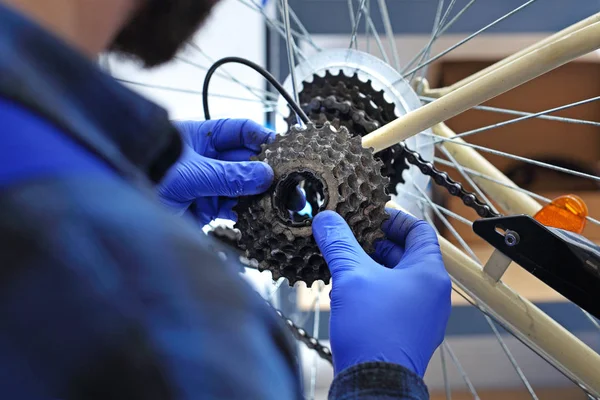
[
  {"x": 439, "y": 92},
  {"x": 527, "y": 322},
  {"x": 498, "y": 81}
]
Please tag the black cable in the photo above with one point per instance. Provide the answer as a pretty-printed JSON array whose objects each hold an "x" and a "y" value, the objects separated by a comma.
[{"x": 260, "y": 70}]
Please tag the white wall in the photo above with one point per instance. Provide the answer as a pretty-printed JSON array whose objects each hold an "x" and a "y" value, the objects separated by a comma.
[{"x": 232, "y": 30}]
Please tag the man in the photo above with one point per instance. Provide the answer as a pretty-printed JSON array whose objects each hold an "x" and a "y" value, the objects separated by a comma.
[{"x": 106, "y": 294}]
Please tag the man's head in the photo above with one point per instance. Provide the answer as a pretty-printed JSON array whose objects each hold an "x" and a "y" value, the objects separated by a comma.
[{"x": 158, "y": 29}]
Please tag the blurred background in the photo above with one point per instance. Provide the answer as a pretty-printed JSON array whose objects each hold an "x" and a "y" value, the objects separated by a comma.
[{"x": 476, "y": 361}]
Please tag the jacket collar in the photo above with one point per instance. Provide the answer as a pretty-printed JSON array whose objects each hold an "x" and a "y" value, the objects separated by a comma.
[{"x": 41, "y": 72}]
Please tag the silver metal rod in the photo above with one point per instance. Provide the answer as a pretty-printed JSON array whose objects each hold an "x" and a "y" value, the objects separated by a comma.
[
  {"x": 443, "y": 30},
  {"x": 367, "y": 10},
  {"x": 526, "y": 117},
  {"x": 359, "y": 14},
  {"x": 442, "y": 209},
  {"x": 511, "y": 358},
  {"x": 468, "y": 38},
  {"x": 305, "y": 34},
  {"x": 518, "y": 158},
  {"x": 378, "y": 40},
  {"x": 523, "y": 113},
  {"x": 447, "y": 388},
  {"x": 351, "y": 12},
  {"x": 273, "y": 25},
  {"x": 188, "y": 91},
  {"x": 290, "y": 53},
  {"x": 461, "y": 370},
  {"x": 315, "y": 334},
  {"x": 389, "y": 31},
  {"x": 448, "y": 225},
  {"x": 432, "y": 38}
]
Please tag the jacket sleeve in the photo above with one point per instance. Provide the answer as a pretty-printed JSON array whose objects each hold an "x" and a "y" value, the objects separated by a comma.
[
  {"x": 107, "y": 296},
  {"x": 378, "y": 380}
]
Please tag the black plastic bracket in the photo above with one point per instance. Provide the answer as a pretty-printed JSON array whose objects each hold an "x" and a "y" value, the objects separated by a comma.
[{"x": 565, "y": 261}]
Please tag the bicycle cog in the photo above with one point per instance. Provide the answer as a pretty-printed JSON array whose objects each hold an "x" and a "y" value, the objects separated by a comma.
[
  {"x": 356, "y": 105},
  {"x": 350, "y": 182}
]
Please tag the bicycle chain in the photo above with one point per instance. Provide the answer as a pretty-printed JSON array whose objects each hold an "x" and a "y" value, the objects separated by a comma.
[
  {"x": 453, "y": 187},
  {"x": 439, "y": 177},
  {"x": 226, "y": 237},
  {"x": 311, "y": 342}
]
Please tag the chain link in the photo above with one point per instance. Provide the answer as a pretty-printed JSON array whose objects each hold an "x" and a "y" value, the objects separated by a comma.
[
  {"x": 227, "y": 237},
  {"x": 443, "y": 179},
  {"x": 310, "y": 341}
]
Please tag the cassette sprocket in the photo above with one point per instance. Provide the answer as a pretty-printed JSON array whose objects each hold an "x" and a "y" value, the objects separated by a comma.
[{"x": 349, "y": 181}]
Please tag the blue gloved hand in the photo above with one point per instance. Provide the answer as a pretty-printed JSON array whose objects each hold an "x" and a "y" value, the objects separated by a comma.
[
  {"x": 214, "y": 169},
  {"x": 396, "y": 314}
]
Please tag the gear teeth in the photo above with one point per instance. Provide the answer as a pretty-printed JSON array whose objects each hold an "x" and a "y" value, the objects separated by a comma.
[
  {"x": 354, "y": 186},
  {"x": 362, "y": 118}
]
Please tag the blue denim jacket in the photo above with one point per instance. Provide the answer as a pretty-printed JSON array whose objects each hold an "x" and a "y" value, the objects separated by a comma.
[{"x": 105, "y": 295}]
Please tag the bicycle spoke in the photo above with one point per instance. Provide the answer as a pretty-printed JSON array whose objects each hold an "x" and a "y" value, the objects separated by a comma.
[
  {"x": 517, "y": 158},
  {"x": 456, "y": 17},
  {"x": 315, "y": 334},
  {"x": 351, "y": 12},
  {"x": 367, "y": 12},
  {"x": 523, "y": 113},
  {"x": 592, "y": 319},
  {"x": 277, "y": 26},
  {"x": 491, "y": 179},
  {"x": 434, "y": 31},
  {"x": 447, "y": 388},
  {"x": 461, "y": 370},
  {"x": 526, "y": 117},
  {"x": 290, "y": 54},
  {"x": 307, "y": 316},
  {"x": 389, "y": 31},
  {"x": 511, "y": 358},
  {"x": 378, "y": 40},
  {"x": 448, "y": 225},
  {"x": 305, "y": 34},
  {"x": 370, "y": 28},
  {"x": 468, "y": 38},
  {"x": 443, "y": 30},
  {"x": 275, "y": 290},
  {"x": 359, "y": 13},
  {"x": 192, "y": 92},
  {"x": 442, "y": 209}
]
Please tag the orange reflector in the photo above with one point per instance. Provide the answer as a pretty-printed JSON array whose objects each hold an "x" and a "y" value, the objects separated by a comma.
[{"x": 566, "y": 212}]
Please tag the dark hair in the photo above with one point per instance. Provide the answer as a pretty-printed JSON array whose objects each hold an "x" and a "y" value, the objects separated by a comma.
[{"x": 159, "y": 29}]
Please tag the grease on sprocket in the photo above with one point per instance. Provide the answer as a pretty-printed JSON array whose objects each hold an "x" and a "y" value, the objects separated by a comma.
[
  {"x": 352, "y": 184},
  {"x": 349, "y": 102}
]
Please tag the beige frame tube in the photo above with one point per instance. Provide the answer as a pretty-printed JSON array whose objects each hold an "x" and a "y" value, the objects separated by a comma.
[
  {"x": 536, "y": 329},
  {"x": 531, "y": 325},
  {"x": 498, "y": 81},
  {"x": 575, "y": 27}
]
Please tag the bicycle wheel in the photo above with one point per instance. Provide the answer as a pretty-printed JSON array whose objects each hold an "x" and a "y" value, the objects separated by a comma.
[{"x": 321, "y": 40}]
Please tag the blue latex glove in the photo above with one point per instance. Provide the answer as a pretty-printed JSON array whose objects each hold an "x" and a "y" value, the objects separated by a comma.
[
  {"x": 214, "y": 169},
  {"x": 396, "y": 314}
]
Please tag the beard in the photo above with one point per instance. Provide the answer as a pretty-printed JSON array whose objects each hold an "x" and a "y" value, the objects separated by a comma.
[{"x": 158, "y": 30}]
